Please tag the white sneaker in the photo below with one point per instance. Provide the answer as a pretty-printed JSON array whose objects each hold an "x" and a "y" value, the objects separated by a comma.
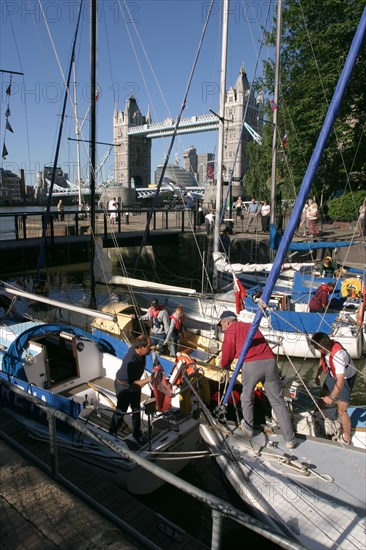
[
  {"x": 292, "y": 444},
  {"x": 247, "y": 431}
]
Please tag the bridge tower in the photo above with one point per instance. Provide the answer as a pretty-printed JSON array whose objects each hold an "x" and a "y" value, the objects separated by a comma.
[
  {"x": 236, "y": 99},
  {"x": 132, "y": 156}
]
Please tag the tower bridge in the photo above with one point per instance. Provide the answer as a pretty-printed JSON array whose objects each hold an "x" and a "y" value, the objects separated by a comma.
[
  {"x": 133, "y": 134},
  {"x": 201, "y": 123}
]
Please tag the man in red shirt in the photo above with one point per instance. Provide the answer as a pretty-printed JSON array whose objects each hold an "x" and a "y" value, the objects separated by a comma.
[
  {"x": 319, "y": 301},
  {"x": 259, "y": 366}
]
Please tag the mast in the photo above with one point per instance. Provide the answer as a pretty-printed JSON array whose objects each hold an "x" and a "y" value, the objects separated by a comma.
[
  {"x": 220, "y": 146},
  {"x": 77, "y": 133},
  {"x": 275, "y": 112},
  {"x": 93, "y": 91}
]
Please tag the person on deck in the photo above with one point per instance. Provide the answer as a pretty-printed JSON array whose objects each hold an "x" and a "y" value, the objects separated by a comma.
[
  {"x": 319, "y": 302},
  {"x": 328, "y": 267},
  {"x": 176, "y": 330},
  {"x": 340, "y": 379},
  {"x": 253, "y": 210},
  {"x": 265, "y": 214},
  {"x": 128, "y": 386},
  {"x": 158, "y": 319},
  {"x": 259, "y": 366}
]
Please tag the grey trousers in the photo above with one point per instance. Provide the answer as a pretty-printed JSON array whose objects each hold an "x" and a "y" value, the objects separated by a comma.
[{"x": 265, "y": 371}]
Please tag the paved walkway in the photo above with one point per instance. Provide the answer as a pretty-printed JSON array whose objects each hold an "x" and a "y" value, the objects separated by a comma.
[{"x": 38, "y": 514}]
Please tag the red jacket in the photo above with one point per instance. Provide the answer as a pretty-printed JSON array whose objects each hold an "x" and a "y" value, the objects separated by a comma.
[
  {"x": 234, "y": 338},
  {"x": 320, "y": 299}
]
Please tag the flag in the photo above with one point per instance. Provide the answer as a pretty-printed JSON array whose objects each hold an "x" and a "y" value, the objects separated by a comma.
[
  {"x": 8, "y": 126},
  {"x": 8, "y": 90},
  {"x": 239, "y": 293},
  {"x": 7, "y": 112},
  {"x": 210, "y": 171},
  {"x": 274, "y": 105},
  {"x": 5, "y": 151}
]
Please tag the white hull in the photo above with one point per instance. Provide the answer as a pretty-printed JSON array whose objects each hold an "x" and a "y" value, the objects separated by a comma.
[
  {"x": 74, "y": 372},
  {"x": 320, "y": 506},
  {"x": 121, "y": 471}
]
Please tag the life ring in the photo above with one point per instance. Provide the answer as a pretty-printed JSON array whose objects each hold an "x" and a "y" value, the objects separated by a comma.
[
  {"x": 186, "y": 364},
  {"x": 183, "y": 363},
  {"x": 360, "y": 313},
  {"x": 351, "y": 288}
]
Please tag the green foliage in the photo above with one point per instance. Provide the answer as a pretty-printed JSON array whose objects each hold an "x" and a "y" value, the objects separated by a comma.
[
  {"x": 316, "y": 38},
  {"x": 346, "y": 207}
]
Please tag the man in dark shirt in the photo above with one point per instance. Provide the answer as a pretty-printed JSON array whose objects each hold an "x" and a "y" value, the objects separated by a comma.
[{"x": 128, "y": 385}]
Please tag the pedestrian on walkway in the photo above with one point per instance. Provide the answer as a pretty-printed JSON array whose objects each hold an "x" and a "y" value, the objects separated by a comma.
[
  {"x": 60, "y": 211},
  {"x": 238, "y": 205},
  {"x": 253, "y": 210},
  {"x": 312, "y": 218},
  {"x": 362, "y": 219},
  {"x": 265, "y": 215},
  {"x": 112, "y": 206}
]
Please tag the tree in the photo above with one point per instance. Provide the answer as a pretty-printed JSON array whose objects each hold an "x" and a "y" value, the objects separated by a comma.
[
  {"x": 315, "y": 42},
  {"x": 346, "y": 207}
]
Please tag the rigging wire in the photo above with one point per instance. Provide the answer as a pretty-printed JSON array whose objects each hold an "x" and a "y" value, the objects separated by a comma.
[{"x": 174, "y": 133}]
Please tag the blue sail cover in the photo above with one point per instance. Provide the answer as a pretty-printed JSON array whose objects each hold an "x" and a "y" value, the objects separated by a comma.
[
  {"x": 13, "y": 359},
  {"x": 319, "y": 245},
  {"x": 302, "y": 322}
]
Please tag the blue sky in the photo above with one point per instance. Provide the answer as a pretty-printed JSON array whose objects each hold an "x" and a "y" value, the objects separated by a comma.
[{"x": 145, "y": 48}]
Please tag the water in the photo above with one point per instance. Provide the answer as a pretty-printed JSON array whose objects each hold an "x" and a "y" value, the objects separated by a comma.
[
  {"x": 7, "y": 224},
  {"x": 71, "y": 284}
]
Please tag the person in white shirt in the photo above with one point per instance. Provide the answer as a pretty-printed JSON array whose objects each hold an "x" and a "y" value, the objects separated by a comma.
[
  {"x": 209, "y": 222},
  {"x": 112, "y": 205},
  {"x": 340, "y": 379},
  {"x": 265, "y": 214}
]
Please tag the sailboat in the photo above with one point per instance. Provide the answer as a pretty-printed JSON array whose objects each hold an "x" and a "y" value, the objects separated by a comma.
[
  {"x": 71, "y": 371},
  {"x": 315, "y": 493}
]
